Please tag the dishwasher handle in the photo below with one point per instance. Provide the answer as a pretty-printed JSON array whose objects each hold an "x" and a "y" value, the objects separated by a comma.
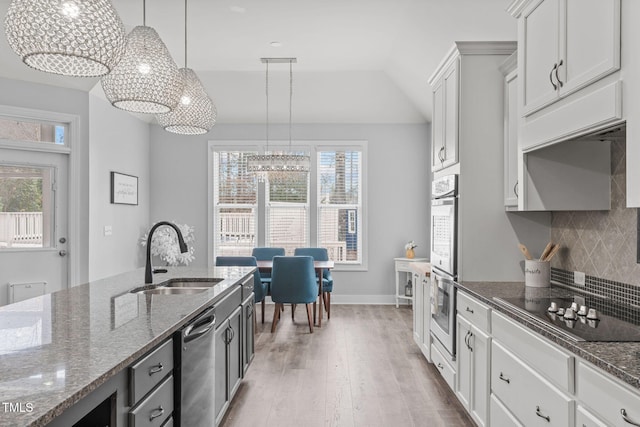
[{"x": 199, "y": 327}]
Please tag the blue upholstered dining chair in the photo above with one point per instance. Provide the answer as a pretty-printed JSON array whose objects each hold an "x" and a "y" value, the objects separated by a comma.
[
  {"x": 259, "y": 288},
  {"x": 293, "y": 281},
  {"x": 321, "y": 254},
  {"x": 267, "y": 254}
]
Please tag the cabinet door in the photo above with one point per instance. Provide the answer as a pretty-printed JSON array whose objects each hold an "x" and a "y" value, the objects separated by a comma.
[
  {"x": 511, "y": 186},
  {"x": 426, "y": 317},
  {"x": 590, "y": 48},
  {"x": 418, "y": 309},
  {"x": 234, "y": 362},
  {"x": 247, "y": 333},
  {"x": 437, "y": 124},
  {"x": 221, "y": 397},
  {"x": 479, "y": 400},
  {"x": 463, "y": 361},
  {"x": 451, "y": 80},
  {"x": 538, "y": 47}
]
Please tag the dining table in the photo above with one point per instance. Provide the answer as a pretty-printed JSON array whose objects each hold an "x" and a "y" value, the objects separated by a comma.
[{"x": 319, "y": 266}]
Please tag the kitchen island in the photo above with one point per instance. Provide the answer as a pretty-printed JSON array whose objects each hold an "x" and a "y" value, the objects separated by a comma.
[{"x": 56, "y": 349}]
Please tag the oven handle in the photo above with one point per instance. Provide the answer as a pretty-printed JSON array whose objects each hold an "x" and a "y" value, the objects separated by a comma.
[{"x": 449, "y": 201}]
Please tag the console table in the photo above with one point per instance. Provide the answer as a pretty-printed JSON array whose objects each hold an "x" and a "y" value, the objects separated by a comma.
[{"x": 403, "y": 266}]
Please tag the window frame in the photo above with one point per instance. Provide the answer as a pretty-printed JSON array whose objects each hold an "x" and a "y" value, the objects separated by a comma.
[{"x": 313, "y": 147}]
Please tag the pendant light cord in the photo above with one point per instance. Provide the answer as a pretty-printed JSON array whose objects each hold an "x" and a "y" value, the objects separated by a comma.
[
  {"x": 144, "y": 13},
  {"x": 185, "y": 33}
]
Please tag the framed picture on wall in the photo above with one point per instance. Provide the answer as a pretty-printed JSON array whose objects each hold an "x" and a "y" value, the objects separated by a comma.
[{"x": 124, "y": 189}]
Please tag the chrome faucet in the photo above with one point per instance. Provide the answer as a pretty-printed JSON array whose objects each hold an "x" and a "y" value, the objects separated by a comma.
[{"x": 148, "y": 273}]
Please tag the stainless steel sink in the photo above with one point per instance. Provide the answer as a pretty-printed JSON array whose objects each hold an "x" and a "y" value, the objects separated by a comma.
[
  {"x": 185, "y": 283},
  {"x": 172, "y": 291}
]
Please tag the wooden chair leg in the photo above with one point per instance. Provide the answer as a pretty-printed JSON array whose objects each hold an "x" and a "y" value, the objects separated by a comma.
[
  {"x": 293, "y": 312},
  {"x": 314, "y": 312},
  {"x": 328, "y": 304},
  {"x": 309, "y": 318},
  {"x": 276, "y": 315},
  {"x": 263, "y": 310}
]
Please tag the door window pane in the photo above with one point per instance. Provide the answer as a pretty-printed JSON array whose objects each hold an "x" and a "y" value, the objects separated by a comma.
[
  {"x": 26, "y": 202},
  {"x": 21, "y": 130}
]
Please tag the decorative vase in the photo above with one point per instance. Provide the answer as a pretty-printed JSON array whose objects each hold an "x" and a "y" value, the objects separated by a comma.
[{"x": 410, "y": 254}]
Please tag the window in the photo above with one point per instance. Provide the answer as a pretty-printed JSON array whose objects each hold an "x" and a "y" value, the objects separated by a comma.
[
  {"x": 339, "y": 204},
  {"x": 14, "y": 129},
  {"x": 323, "y": 208}
]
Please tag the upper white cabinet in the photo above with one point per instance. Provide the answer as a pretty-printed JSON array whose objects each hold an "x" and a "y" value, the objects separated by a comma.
[
  {"x": 569, "y": 62},
  {"x": 566, "y": 45},
  {"x": 444, "y": 147},
  {"x": 511, "y": 154}
]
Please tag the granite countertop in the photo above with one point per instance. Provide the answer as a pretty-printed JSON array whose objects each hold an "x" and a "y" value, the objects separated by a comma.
[
  {"x": 422, "y": 268},
  {"x": 620, "y": 359},
  {"x": 58, "y": 348}
]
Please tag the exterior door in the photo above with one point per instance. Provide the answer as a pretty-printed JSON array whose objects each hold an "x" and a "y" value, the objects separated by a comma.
[{"x": 33, "y": 222}]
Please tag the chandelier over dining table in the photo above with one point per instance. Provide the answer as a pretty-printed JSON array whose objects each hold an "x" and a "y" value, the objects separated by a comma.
[{"x": 271, "y": 165}]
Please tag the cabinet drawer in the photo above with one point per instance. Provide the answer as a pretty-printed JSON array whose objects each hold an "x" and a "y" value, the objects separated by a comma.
[
  {"x": 543, "y": 357},
  {"x": 148, "y": 372},
  {"x": 606, "y": 397},
  {"x": 478, "y": 314},
  {"x": 228, "y": 304},
  {"x": 585, "y": 418},
  {"x": 403, "y": 266},
  {"x": 155, "y": 409},
  {"x": 247, "y": 286},
  {"x": 525, "y": 394},
  {"x": 446, "y": 370},
  {"x": 500, "y": 416}
]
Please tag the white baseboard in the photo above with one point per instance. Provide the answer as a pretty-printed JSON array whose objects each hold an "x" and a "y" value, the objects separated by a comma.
[{"x": 360, "y": 299}]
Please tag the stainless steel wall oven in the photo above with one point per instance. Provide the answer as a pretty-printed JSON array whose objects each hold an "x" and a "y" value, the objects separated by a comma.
[{"x": 444, "y": 216}]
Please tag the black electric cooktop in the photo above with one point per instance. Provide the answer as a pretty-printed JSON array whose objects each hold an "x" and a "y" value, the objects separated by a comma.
[{"x": 591, "y": 318}]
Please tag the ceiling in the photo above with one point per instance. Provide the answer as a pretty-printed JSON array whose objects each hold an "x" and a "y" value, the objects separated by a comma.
[{"x": 359, "y": 61}]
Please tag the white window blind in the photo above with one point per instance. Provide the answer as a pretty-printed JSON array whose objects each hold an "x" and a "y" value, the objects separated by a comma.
[
  {"x": 287, "y": 212},
  {"x": 340, "y": 204},
  {"x": 235, "y": 204}
]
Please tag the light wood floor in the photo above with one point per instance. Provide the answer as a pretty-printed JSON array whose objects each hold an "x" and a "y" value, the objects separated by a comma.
[{"x": 361, "y": 368}]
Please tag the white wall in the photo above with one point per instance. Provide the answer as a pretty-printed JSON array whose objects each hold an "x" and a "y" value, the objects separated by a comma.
[
  {"x": 119, "y": 143},
  {"x": 49, "y": 98},
  {"x": 398, "y": 199}
]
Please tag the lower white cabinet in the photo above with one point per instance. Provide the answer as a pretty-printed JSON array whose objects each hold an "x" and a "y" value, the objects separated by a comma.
[
  {"x": 422, "y": 312},
  {"x": 526, "y": 394},
  {"x": 500, "y": 416},
  {"x": 441, "y": 362},
  {"x": 473, "y": 364},
  {"x": 584, "y": 418}
]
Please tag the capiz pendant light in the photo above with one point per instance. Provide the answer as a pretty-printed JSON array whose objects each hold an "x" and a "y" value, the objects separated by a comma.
[
  {"x": 80, "y": 38},
  {"x": 195, "y": 114},
  {"x": 146, "y": 80}
]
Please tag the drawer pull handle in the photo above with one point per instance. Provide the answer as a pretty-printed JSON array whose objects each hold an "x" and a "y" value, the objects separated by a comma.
[
  {"x": 155, "y": 369},
  {"x": 546, "y": 417},
  {"x": 558, "y": 78},
  {"x": 505, "y": 379},
  {"x": 627, "y": 419},
  {"x": 469, "y": 310},
  {"x": 555, "y": 66},
  {"x": 156, "y": 413},
  {"x": 441, "y": 366}
]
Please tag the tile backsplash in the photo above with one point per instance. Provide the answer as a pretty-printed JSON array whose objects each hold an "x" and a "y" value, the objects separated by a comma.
[{"x": 601, "y": 243}]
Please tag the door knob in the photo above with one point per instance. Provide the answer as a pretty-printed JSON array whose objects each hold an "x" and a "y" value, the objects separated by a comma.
[
  {"x": 62, "y": 253},
  {"x": 63, "y": 240}
]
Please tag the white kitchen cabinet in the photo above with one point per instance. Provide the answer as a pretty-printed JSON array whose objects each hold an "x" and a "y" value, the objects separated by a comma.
[
  {"x": 444, "y": 141},
  {"x": 569, "y": 58},
  {"x": 566, "y": 45},
  {"x": 425, "y": 346},
  {"x": 418, "y": 308},
  {"x": 473, "y": 358},
  {"x": 511, "y": 151},
  {"x": 422, "y": 308}
]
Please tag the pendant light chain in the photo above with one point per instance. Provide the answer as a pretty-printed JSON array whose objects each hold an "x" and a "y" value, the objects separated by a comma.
[
  {"x": 185, "y": 33},
  {"x": 144, "y": 13}
]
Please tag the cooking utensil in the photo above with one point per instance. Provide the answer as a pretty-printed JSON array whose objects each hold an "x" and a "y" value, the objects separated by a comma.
[
  {"x": 525, "y": 251},
  {"x": 552, "y": 253},
  {"x": 546, "y": 251}
]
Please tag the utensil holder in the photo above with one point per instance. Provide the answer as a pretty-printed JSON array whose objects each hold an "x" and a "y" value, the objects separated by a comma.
[{"x": 537, "y": 274}]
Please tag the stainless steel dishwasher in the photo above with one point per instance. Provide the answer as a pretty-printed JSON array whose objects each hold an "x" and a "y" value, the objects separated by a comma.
[{"x": 197, "y": 371}]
